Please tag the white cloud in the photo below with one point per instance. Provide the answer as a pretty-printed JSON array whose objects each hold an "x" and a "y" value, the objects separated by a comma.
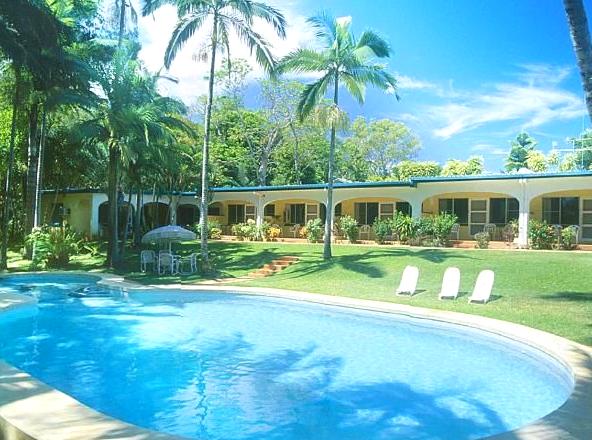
[
  {"x": 536, "y": 98},
  {"x": 407, "y": 82},
  {"x": 489, "y": 150},
  {"x": 156, "y": 30}
]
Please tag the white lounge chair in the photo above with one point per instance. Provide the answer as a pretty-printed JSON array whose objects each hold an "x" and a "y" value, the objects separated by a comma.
[
  {"x": 408, "y": 282},
  {"x": 450, "y": 284},
  {"x": 147, "y": 257},
  {"x": 483, "y": 286}
]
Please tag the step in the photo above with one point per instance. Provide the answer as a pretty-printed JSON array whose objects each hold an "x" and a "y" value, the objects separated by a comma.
[{"x": 289, "y": 258}]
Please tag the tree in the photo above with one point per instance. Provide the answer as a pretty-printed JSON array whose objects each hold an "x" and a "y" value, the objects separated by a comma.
[
  {"x": 343, "y": 58},
  {"x": 472, "y": 166},
  {"x": 536, "y": 161},
  {"x": 519, "y": 149},
  {"x": 382, "y": 144},
  {"x": 407, "y": 169},
  {"x": 226, "y": 16},
  {"x": 580, "y": 37},
  {"x": 31, "y": 37}
]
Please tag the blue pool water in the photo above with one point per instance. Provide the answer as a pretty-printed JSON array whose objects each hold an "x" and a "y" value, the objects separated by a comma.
[{"x": 221, "y": 366}]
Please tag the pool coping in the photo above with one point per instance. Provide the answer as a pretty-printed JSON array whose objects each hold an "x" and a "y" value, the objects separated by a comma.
[{"x": 31, "y": 410}]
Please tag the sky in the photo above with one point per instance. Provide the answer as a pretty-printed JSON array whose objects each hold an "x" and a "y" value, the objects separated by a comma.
[{"x": 471, "y": 73}]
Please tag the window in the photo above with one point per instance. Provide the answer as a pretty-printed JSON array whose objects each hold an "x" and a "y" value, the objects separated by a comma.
[
  {"x": 502, "y": 211},
  {"x": 215, "y": 209},
  {"x": 403, "y": 208},
  {"x": 458, "y": 207},
  {"x": 478, "y": 216},
  {"x": 236, "y": 214},
  {"x": 366, "y": 213},
  {"x": 387, "y": 211},
  {"x": 57, "y": 214},
  {"x": 561, "y": 210},
  {"x": 587, "y": 219},
  {"x": 269, "y": 210},
  {"x": 338, "y": 210},
  {"x": 250, "y": 212},
  {"x": 295, "y": 214}
]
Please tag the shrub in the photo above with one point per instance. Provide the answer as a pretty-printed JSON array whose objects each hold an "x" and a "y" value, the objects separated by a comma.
[
  {"x": 52, "y": 246},
  {"x": 441, "y": 226},
  {"x": 262, "y": 231},
  {"x": 273, "y": 233},
  {"x": 314, "y": 230},
  {"x": 482, "y": 239},
  {"x": 541, "y": 235},
  {"x": 214, "y": 230},
  {"x": 245, "y": 231},
  {"x": 568, "y": 238},
  {"x": 382, "y": 229},
  {"x": 402, "y": 226},
  {"x": 349, "y": 226}
]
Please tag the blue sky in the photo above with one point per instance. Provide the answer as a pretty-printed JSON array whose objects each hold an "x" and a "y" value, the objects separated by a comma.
[{"x": 472, "y": 73}]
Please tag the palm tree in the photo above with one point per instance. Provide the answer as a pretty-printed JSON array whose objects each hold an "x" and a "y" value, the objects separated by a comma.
[
  {"x": 226, "y": 17},
  {"x": 580, "y": 37},
  {"x": 342, "y": 58},
  {"x": 130, "y": 113}
]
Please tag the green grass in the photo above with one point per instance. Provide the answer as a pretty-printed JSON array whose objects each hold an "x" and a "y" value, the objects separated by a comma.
[{"x": 551, "y": 291}]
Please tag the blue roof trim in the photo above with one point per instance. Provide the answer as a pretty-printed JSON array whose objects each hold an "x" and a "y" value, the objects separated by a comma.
[{"x": 413, "y": 182}]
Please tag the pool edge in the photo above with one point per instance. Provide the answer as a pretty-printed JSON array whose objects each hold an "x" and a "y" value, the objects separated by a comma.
[{"x": 571, "y": 421}]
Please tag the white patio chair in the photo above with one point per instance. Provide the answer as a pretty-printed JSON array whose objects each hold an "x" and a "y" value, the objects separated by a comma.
[
  {"x": 147, "y": 257},
  {"x": 365, "y": 230},
  {"x": 408, "y": 282},
  {"x": 490, "y": 229},
  {"x": 483, "y": 286},
  {"x": 167, "y": 262},
  {"x": 455, "y": 231},
  {"x": 190, "y": 262},
  {"x": 450, "y": 284},
  {"x": 295, "y": 230},
  {"x": 576, "y": 229}
]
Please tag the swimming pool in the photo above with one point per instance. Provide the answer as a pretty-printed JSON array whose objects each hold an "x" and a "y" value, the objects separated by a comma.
[{"x": 227, "y": 366}]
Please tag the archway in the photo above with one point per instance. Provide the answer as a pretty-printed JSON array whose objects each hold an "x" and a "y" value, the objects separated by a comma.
[
  {"x": 155, "y": 214},
  {"x": 187, "y": 214},
  {"x": 126, "y": 215}
]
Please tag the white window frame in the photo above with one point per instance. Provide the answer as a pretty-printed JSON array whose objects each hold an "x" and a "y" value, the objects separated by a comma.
[
  {"x": 385, "y": 216},
  {"x": 583, "y": 225},
  {"x": 471, "y": 211}
]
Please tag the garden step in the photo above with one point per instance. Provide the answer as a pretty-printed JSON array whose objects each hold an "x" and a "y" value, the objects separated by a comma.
[{"x": 273, "y": 267}]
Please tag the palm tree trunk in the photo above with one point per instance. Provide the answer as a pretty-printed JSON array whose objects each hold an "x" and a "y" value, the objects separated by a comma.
[
  {"x": 329, "y": 208},
  {"x": 138, "y": 218},
  {"x": 32, "y": 159},
  {"x": 9, "y": 171},
  {"x": 121, "y": 22},
  {"x": 298, "y": 179},
  {"x": 205, "y": 153},
  {"x": 127, "y": 222},
  {"x": 580, "y": 37},
  {"x": 112, "y": 248},
  {"x": 39, "y": 176}
]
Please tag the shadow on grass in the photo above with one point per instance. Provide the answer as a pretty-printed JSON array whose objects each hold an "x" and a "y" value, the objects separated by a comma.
[{"x": 569, "y": 296}]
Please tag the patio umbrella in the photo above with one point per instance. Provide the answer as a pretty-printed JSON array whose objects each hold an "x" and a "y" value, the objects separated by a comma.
[{"x": 168, "y": 235}]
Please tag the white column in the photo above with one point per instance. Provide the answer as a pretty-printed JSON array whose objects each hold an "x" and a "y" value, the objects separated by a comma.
[
  {"x": 416, "y": 208},
  {"x": 259, "y": 204},
  {"x": 523, "y": 216},
  {"x": 96, "y": 201}
]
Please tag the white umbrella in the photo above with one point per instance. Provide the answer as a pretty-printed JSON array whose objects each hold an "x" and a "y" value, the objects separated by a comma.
[{"x": 168, "y": 234}]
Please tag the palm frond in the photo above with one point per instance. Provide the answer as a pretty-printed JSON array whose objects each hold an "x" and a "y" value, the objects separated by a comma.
[
  {"x": 325, "y": 27},
  {"x": 370, "y": 40},
  {"x": 184, "y": 29},
  {"x": 377, "y": 76},
  {"x": 312, "y": 95},
  {"x": 254, "y": 41},
  {"x": 270, "y": 15},
  {"x": 303, "y": 60},
  {"x": 356, "y": 88}
]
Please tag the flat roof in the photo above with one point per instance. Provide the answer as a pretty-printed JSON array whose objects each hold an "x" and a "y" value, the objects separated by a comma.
[{"x": 414, "y": 181}]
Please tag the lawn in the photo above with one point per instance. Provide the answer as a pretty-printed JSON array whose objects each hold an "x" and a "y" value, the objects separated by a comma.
[{"x": 551, "y": 291}]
